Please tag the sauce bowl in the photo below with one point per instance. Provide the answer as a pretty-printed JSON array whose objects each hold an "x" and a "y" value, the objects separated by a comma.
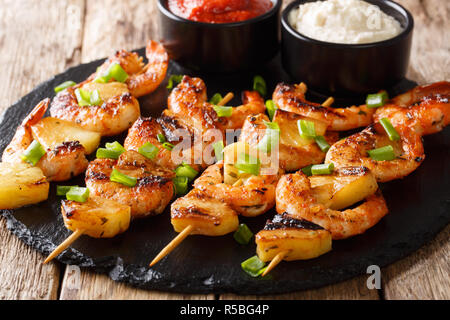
[
  {"x": 220, "y": 48},
  {"x": 348, "y": 70}
]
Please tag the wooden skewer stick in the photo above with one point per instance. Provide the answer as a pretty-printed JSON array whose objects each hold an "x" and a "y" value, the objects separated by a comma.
[
  {"x": 275, "y": 261},
  {"x": 63, "y": 246},
  {"x": 302, "y": 87},
  {"x": 226, "y": 99},
  {"x": 328, "y": 103},
  {"x": 173, "y": 244}
]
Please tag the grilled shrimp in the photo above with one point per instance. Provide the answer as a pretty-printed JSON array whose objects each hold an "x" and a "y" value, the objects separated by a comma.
[
  {"x": 295, "y": 197},
  {"x": 150, "y": 196},
  {"x": 424, "y": 108},
  {"x": 352, "y": 151},
  {"x": 60, "y": 163},
  {"x": 116, "y": 114},
  {"x": 292, "y": 98},
  {"x": 142, "y": 79},
  {"x": 295, "y": 152},
  {"x": 254, "y": 197}
]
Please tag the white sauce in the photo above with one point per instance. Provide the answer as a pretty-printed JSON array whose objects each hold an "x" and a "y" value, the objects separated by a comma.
[{"x": 344, "y": 21}]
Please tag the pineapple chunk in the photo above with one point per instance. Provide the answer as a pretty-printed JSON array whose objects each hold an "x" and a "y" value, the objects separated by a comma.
[
  {"x": 51, "y": 132},
  {"x": 98, "y": 217},
  {"x": 208, "y": 216},
  {"x": 345, "y": 187},
  {"x": 107, "y": 90},
  {"x": 230, "y": 154},
  {"x": 21, "y": 185},
  {"x": 301, "y": 239}
]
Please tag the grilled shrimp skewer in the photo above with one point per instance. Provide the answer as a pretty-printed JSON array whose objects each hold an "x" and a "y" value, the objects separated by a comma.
[{"x": 292, "y": 98}]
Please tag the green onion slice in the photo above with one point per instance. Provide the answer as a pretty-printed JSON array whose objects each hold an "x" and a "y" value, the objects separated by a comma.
[
  {"x": 223, "y": 112},
  {"x": 187, "y": 171},
  {"x": 149, "y": 151},
  {"x": 64, "y": 86},
  {"x": 78, "y": 194},
  {"x": 271, "y": 108},
  {"x": 168, "y": 146},
  {"x": 243, "y": 234},
  {"x": 248, "y": 164},
  {"x": 116, "y": 72},
  {"x": 253, "y": 266},
  {"x": 307, "y": 129},
  {"x": 116, "y": 146},
  {"x": 174, "y": 79},
  {"x": 321, "y": 169},
  {"x": 322, "y": 143},
  {"x": 390, "y": 130},
  {"x": 62, "y": 190},
  {"x": 181, "y": 185},
  {"x": 94, "y": 98},
  {"x": 83, "y": 97},
  {"x": 259, "y": 85},
  {"x": 34, "y": 153},
  {"x": 161, "y": 138},
  {"x": 218, "y": 150},
  {"x": 272, "y": 137},
  {"x": 307, "y": 170},
  {"x": 216, "y": 99},
  {"x": 117, "y": 176},
  {"x": 377, "y": 100},
  {"x": 103, "y": 153},
  {"x": 382, "y": 154}
]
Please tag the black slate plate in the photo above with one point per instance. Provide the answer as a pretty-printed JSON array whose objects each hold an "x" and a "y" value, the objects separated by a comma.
[{"x": 419, "y": 209}]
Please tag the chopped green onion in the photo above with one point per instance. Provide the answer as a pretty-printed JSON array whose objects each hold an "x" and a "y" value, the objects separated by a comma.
[
  {"x": 168, "y": 146},
  {"x": 95, "y": 98},
  {"x": 259, "y": 84},
  {"x": 216, "y": 99},
  {"x": 218, "y": 150},
  {"x": 322, "y": 143},
  {"x": 34, "y": 153},
  {"x": 382, "y": 154},
  {"x": 271, "y": 138},
  {"x": 377, "y": 100},
  {"x": 186, "y": 170},
  {"x": 78, "y": 194},
  {"x": 271, "y": 108},
  {"x": 307, "y": 170},
  {"x": 243, "y": 234},
  {"x": 83, "y": 97},
  {"x": 174, "y": 79},
  {"x": 181, "y": 185},
  {"x": 390, "y": 130},
  {"x": 62, "y": 190},
  {"x": 115, "y": 146},
  {"x": 161, "y": 138},
  {"x": 248, "y": 164},
  {"x": 149, "y": 151},
  {"x": 223, "y": 112},
  {"x": 64, "y": 86},
  {"x": 253, "y": 266},
  {"x": 307, "y": 129},
  {"x": 117, "y": 176},
  {"x": 116, "y": 72},
  {"x": 321, "y": 169}
]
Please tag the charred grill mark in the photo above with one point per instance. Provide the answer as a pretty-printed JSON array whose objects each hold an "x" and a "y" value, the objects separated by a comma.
[
  {"x": 284, "y": 221},
  {"x": 97, "y": 176},
  {"x": 354, "y": 171},
  {"x": 152, "y": 181},
  {"x": 67, "y": 147}
]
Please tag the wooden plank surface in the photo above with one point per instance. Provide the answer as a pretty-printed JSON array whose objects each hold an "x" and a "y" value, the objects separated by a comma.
[{"x": 37, "y": 40}]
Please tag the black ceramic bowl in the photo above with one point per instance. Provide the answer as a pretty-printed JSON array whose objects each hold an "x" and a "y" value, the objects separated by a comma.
[
  {"x": 222, "y": 48},
  {"x": 348, "y": 70}
]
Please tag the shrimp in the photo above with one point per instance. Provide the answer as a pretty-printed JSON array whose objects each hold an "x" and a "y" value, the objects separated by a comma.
[
  {"x": 424, "y": 108},
  {"x": 116, "y": 114},
  {"x": 254, "y": 197},
  {"x": 142, "y": 79},
  {"x": 292, "y": 98},
  {"x": 294, "y": 196},
  {"x": 352, "y": 151},
  {"x": 60, "y": 163},
  {"x": 151, "y": 194}
]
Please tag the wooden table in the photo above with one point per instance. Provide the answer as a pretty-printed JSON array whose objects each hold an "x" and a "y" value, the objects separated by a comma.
[{"x": 40, "y": 38}]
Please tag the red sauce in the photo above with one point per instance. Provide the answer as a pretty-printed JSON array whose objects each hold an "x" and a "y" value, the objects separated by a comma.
[{"x": 219, "y": 11}]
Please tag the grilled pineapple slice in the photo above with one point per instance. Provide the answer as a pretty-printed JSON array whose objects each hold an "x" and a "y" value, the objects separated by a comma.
[
  {"x": 208, "y": 216},
  {"x": 21, "y": 185},
  {"x": 301, "y": 239},
  {"x": 345, "y": 187},
  {"x": 51, "y": 132},
  {"x": 107, "y": 90},
  {"x": 97, "y": 217},
  {"x": 230, "y": 154}
]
